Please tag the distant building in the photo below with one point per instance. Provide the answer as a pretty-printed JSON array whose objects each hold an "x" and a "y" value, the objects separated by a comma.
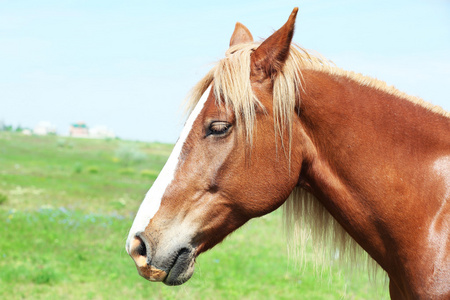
[
  {"x": 101, "y": 132},
  {"x": 44, "y": 128},
  {"x": 79, "y": 129},
  {"x": 27, "y": 131}
]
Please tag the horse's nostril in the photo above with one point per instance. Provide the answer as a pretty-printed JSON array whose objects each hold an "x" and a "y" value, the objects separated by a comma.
[
  {"x": 138, "y": 252},
  {"x": 140, "y": 249}
]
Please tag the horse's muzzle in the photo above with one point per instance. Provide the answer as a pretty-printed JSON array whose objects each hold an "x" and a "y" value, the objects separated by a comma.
[{"x": 173, "y": 267}]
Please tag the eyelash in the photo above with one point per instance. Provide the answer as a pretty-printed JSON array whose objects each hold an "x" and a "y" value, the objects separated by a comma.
[{"x": 218, "y": 128}]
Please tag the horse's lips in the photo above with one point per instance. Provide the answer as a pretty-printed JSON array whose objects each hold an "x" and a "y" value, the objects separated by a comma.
[
  {"x": 154, "y": 274},
  {"x": 181, "y": 269}
]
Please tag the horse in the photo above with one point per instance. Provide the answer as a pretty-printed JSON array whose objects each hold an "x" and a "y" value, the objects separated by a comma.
[{"x": 272, "y": 121}]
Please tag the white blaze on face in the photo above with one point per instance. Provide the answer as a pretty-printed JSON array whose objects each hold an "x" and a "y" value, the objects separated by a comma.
[{"x": 152, "y": 200}]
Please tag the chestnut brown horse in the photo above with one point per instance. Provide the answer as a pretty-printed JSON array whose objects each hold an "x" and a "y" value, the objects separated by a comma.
[{"x": 271, "y": 120}]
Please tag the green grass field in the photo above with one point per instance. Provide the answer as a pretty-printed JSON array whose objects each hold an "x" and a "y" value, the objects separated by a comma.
[{"x": 66, "y": 206}]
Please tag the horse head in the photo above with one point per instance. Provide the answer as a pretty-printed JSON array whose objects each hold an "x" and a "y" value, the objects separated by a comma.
[{"x": 232, "y": 162}]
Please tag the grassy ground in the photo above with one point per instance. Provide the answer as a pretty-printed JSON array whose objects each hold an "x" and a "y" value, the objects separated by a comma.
[{"x": 66, "y": 210}]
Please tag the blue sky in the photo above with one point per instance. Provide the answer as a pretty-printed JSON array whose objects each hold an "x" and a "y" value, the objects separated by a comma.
[{"x": 129, "y": 64}]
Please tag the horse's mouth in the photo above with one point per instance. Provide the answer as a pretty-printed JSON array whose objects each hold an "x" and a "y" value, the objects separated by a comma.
[
  {"x": 182, "y": 267},
  {"x": 175, "y": 270}
]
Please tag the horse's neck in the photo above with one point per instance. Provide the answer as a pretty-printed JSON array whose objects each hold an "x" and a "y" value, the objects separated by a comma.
[{"x": 370, "y": 162}]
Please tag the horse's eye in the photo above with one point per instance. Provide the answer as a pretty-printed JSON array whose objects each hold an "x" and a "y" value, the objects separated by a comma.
[{"x": 218, "y": 128}]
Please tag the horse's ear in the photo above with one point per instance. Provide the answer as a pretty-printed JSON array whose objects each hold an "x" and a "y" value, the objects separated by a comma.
[
  {"x": 240, "y": 35},
  {"x": 270, "y": 56}
]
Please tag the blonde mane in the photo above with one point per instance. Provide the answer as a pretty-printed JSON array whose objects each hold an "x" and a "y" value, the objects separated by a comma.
[
  {"x": 231, "y": 77},
  {"x": 305, "y": 216}
]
